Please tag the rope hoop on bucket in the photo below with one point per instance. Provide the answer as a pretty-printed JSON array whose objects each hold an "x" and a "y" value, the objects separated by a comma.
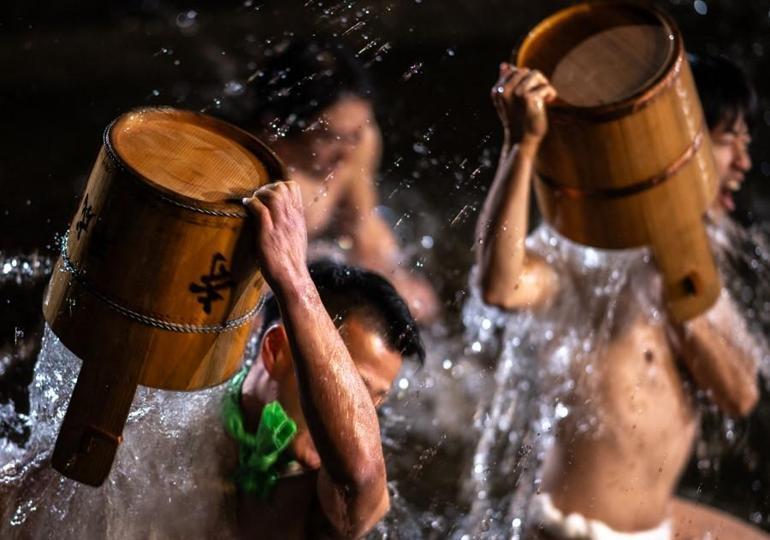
[{"x": 70, "y": 267}]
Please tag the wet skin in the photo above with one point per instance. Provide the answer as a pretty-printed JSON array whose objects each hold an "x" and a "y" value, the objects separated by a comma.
[
  {"x": 294, "y": 510},
  {"x": 327, "y": 379},
  {"x": 730, "y": 145},
  {"x": 334, "y": 162},
  {"x": 625, "y": 473}
]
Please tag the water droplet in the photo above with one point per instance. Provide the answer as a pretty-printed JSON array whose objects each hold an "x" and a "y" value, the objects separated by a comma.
[
  {"x": 413, "y": 70},
  {"x": 561, "y": 410},
  {"x": 186, "y": 19},
  {"x": 420, "y": 148},
  {"x": 234, "y": 88}
]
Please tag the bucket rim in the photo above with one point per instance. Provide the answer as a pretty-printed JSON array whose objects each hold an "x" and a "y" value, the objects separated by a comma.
[
  {"x": 669, "y": 72},
  {"x": 276, "y": 170}
]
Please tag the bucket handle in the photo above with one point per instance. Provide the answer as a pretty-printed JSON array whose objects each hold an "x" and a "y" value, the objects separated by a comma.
[{"x": 93, "y": 424}]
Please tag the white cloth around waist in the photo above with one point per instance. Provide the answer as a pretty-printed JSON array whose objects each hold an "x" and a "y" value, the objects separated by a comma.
[{"x": 574, "y": 526}]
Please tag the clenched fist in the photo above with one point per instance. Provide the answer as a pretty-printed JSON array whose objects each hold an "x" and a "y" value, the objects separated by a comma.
[
  {"x": 520, "y": 96},
  {"x": 281, "y": 234}
]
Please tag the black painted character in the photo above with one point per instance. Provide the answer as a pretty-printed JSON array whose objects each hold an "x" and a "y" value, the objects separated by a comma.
[
  {"x": 86, "y": 215},
  {"x": 218, "y": 278}
]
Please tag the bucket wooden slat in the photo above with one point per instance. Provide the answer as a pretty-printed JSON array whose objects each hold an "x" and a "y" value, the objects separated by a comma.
[
  {"x": 157, "y": 283},
  {"x": 627, "y": 159}
]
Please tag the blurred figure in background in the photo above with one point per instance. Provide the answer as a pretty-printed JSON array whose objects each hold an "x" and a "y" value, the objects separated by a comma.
[{"x": 314, "y": 107}]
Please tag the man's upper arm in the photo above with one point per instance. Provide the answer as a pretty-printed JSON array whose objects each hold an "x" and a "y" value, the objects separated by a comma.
[
  {"x": 360, "y": 198},
  {"x": 374, "y": 244},
  {"x": 722, "y": 356}
]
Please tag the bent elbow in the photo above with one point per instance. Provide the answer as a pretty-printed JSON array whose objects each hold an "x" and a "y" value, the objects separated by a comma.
[
  {"x": 370, "y": 500},
  {"x": 742, "y": 403},
  {"x": 366, "y": 522},
  {"x": 494, "y": 293},
  {"x": 748, "y": 401},
  {"x": 379, "y": 513},
  {"x": 496, "y": 299}
]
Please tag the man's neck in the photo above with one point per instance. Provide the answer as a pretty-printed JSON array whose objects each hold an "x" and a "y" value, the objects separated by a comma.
[{"x": 257, "y": 391}]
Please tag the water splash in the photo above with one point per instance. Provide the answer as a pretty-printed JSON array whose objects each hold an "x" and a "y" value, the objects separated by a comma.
[
  {"x": 24, "y": 269},
  {"x": 169, "y": 478},
  {"x": 545, "y": 357},
  {"x": 464, "y": 436}
]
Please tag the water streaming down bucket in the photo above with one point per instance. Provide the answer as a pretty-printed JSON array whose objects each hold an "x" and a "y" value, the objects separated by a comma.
[
  {"x": 159, "y": 282},
  {"x": 169, "y": 479},
  {"x": 626, "y": 161},
  {"x": 172, "y": 476},
  {"x": 408, "y": 514},
  {"x": 542, "y": 355}
]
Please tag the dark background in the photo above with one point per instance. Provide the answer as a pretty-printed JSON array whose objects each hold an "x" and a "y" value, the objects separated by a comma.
[{"x": 70, "y": 67}]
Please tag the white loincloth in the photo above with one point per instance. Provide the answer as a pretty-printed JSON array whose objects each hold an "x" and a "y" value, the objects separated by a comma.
[{"x": 551, "y": 520}]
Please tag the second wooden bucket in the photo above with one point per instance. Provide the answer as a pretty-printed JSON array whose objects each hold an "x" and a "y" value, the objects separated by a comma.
[
  {"x": 627, "y": 160},
  {"x": 157, "y": 283}
]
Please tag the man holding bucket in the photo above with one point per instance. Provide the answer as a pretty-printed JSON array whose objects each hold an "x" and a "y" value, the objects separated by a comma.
[
  {"x": 304, "y": 414},
  {"x": 631, "y": 420}
]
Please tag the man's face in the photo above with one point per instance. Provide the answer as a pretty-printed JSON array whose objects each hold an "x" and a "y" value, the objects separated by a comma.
[
  {"x": 337, "y": 134},
  {"x": 377, "y": 364},
  {"x": 730, "y": 145}
]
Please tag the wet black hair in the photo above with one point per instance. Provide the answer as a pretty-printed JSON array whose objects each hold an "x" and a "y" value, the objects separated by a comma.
[
  {"x": 302, "y": 78},
  {"x": 348, "y": 290},
  {"x": 724, "y": 90}
]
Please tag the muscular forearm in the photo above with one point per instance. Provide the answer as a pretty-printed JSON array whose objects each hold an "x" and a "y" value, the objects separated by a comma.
[
  {"x": 502, "y": 226},
  {"x": 336, "y": 404}
]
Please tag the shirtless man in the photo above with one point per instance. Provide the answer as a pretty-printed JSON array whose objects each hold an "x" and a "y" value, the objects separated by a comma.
[
  {"x": 314, "y": 107},
  {"x": 729, "y": 105},
  {"x": 332, "y": 342},
  {"x": 621, "y": 478}
]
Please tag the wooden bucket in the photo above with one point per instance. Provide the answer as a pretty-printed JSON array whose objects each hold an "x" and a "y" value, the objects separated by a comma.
[
  {"x": 627, "y": 159},
  {"x": 157, "y": 281}
]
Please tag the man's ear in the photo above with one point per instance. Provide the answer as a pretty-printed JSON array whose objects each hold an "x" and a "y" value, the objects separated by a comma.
[{"x": 276, "y": 353}]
